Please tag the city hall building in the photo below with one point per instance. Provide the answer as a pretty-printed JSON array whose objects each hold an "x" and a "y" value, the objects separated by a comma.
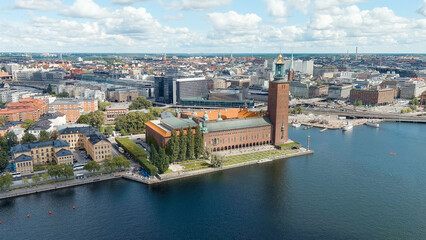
[{"x": 234, "y": 128}]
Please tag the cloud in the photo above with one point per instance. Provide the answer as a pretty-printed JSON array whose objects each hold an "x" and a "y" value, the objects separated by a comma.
[
  {"x": 41, "y": 5},
  {"x": 280, "y": 8},
  {"x": 174, "y": 17},
  {"x": 85, "y": 9},
  {"x": 422, "y": 9},
  {"x": 128, "y": 2},
  {"x": 327, "y": 4},
  {"x": 197, "y": 5}
]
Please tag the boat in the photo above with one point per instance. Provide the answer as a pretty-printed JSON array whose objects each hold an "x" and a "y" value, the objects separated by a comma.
[
  {"x": 372, "y": 124},
  {"x": 348, "y": 127},
  {"x": 296, "y": 125}
]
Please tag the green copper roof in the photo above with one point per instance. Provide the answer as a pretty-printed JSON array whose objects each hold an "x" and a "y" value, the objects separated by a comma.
[
  {"x": 237, "y": 124},
  {"x": 175, "y": 123}
]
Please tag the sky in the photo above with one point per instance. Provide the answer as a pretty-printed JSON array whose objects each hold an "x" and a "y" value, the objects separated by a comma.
[{"x": 213, "y": 26}]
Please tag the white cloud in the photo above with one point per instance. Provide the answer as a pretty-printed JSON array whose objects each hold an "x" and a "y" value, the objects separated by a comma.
[
  {"x": 174, "y": 17},
  {"x": 42, "y": 5},
  {"x": 128, "y": 2},
  {"x": 85, "y": 9},
  {"x": 197, "y": 4},
  {"x": 281, "y": 8},
  {"x": 327, "y": 4},
  {"x": 422, "y": 9}
]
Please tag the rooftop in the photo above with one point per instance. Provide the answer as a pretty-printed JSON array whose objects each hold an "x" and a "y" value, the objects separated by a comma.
[
  {"x": 215, "y": 126},
  {"x": 28, "y": 146}
]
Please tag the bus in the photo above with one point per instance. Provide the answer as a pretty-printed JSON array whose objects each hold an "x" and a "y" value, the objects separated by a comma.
[
  {"x": 16, "y": 175},
  {"x": 120, "y": 149},
  {"x": 78, "y": 167}
]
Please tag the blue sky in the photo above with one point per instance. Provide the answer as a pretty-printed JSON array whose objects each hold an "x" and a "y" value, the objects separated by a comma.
[{"x": 206, "y": 26}]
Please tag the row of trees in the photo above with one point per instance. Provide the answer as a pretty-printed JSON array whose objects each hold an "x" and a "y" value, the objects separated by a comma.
[
  {"x": 132, "y": 123},
  {"x": 140, "y": 103},
  {"x": 187, "y": 146},
  {"x": 159, "y": 159},
  {"x": 94, "y": 119},
  {"x": 6, "y": 181}
]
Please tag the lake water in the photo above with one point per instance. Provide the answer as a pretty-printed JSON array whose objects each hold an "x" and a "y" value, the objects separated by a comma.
[{"x": 351, "y": 188}]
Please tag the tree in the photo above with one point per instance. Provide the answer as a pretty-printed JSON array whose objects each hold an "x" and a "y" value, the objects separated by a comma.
[
  {"x": 182, "y": 145},
  {"x": 4, "y": 159},
  {"x": 45, "y": 176},
  {"x": 44, "y": 136},
  {"x": 25, "y": 180},
  {"x": 54, "y": 135},
  {"x": 54, "y": 171},
  {"x": 156, "y": 111},
  {"x": 140, "y": 103},
  {"x": 28, "y": 138},
  {"x": 133, "y": 123},
  {"x": 12, "y": 139},
  {"x": 92, "y": 166},
  {"x": 94, "y": 119},
  {"x": 414, "y": 102},
  {"x": 154, "y": 156},
  {"x": 109, "y": 164},
  {"x": 173, "y": 146},
  {"x": 84, "y": 119},
  {"x": 190, "y": 143},
  {"x": 6, "y": 181},
  {"x": 102, "y": 105},
  {"x": 67, "y": 170},
  {"x": 49, "y": 89},
  {"x": 217, "y": 160},
  {"x": 198, "y": 142},
  {"x": 108, "y": 131},
  {"x": 207, "y": 153},
  {"x": 3, "y": 120},
  {"x": 163, "y": 161},
  {"x": 263, "y": 112},
  {"x": 35, "y": 178},
  {"x": 121, "y": 162},
  {"x": 27, "y": 123}
]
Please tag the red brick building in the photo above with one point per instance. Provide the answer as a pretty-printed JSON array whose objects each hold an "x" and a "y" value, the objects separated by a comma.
[
  {"x": 74, "y": 108},
  {"x": 234, "y": 128},
  {"x": 373, "y": 96},
  {"x": 26, "y": 108}
]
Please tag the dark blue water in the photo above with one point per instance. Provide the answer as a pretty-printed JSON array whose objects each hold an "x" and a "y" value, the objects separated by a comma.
[{"x": 351, "y": 188}]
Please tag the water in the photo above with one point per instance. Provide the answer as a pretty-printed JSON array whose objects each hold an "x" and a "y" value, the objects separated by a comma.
[{"x": 351, "y": 188}]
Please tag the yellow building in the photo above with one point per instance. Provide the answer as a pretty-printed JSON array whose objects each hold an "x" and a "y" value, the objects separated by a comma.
[
  {"x": 88, "y": 138},
  {"x": 25, "y": 156}
]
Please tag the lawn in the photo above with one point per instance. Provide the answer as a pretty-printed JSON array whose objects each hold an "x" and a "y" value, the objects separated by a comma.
[
  {"x": 256, "y": 156},
  {"x": 192, "y": 165}
]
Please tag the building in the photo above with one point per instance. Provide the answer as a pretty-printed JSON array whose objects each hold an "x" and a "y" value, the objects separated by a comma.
[
  {"x": 423, "y": 98},
  {"x": 122, "y": 94},
  {"x": 25, "y": 156},
  {"x": 339, "y": 91},
  {"x": 88, "y": 138},
  {"x": 372, "y": 96},
  {"x": 8, "y": 126},
  {"x": 26, "y": 108},
  {"x": 116, "y": 109},
  {"x": 299, "y": 89},
  {"x": 73, "y": 108},
  {"x": 318, "y": 91},
  {"x": 412, "y": 88},
  {"x": 171, "y": 90},
  {"x": 217, "y": 83},
  {"x": 234, "y": 128}
]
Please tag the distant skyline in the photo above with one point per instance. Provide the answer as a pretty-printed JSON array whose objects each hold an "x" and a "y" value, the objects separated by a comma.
[{"x": 213, "y": 26}]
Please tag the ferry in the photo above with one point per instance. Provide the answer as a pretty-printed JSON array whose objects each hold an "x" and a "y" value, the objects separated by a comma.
[
  {"x": 348, "y": 127},
  {"x": 372, "y": 124},
  {"x": 296, "y": 125}
]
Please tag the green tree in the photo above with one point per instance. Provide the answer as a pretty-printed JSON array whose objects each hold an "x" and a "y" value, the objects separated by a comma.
[
  {"x": 49, "y": 89},
  {"x": 133, "y": 123},
  {"x": 44, "y": 136},
  {"x": 121, "y": 162},
  {"x": 92, "y": 166},
  {"x": 3, "y": 120},
  {"x": 84, "y": 119},
  {"x": 27, "y": 124},
  {"x": 108, "y": 131},
  {"x": 66, "y": 170},
  {"x": 102, "y": 105},
  {"x": 182, "y": 145},
  {"x": 4, "y": 159},
  {"x": 25, "y": 180},
  {"x": 156, "y": 111},
  {"x": 190, "y": 143},
  {"x": 140, "y": 103},
  {"x": 198, "y": 142},
  {"x": 263, "y": 112},
  {"x": 12, "y": 139},
  {"x": 45, "y": 176},
  {"x": 28, "y": 138},
  {"x": 6, "y": 181},
  {"x": 154, "y": 156},
  {"x": 217, "y": 160},
  {"x": 94, "y": 119},
  {"x": 207, "y": 153},
  {"x": 35, "y": 178},
  {"x": 109, "y": 164},
  {"x": 54, "y": 171},
  {"x": 173, "y": 146},
  {"x": 54, "y": 135},
  {"x": 163, "y": 161}
]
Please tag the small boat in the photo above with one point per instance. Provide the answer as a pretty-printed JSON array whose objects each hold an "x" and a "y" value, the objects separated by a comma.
[
  {"x": 372, "y": 124},
  {"x": 296, "y": 125},
  {"x": 392, "y": 153},
  {"x": 348, "y": 127}
]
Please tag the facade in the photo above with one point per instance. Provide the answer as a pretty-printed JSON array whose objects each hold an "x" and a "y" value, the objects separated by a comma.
[
  {"x": 217, "y": 83},
  {"x": 423, "y": 98},
  {"x": 74, "y": 108},
  {"x": 234, "y": 128},
  {"x": 339, "y": 91},
  {"x": 169, "y": 89},
  {"x": 26, "y": 108},
  {"x": 318, "y": 91},
  {"x": 115, "y": 110},
  {"x": 25, "y": 156},
  {"x": 89, "y": 138},
  {"x": 408, "y": 90},
  {"x": 373, "y": 96},
  {"x": 8, "y": 126},
  {"x": 122, "y": 94},
  {"x": 299, "y": 89}
]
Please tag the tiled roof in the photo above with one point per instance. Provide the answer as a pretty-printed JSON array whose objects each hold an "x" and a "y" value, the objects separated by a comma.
[
  {"x": 63, "y": 152},
  {"x": 228, "y": 113},
  {"x": 215, "y": 126},
  {"x": 23, "y": 158},
  {"x": 41, "y": 125},
  {"x": 28, "y": 146},
  {"x": 92, "y": 133}
]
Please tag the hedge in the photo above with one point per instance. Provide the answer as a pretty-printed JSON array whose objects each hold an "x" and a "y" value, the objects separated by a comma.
[{"x": 139, "y": 155}]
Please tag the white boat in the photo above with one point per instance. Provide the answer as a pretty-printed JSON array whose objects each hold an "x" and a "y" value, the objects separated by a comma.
[
  {"x": 296, "y": 125},
  {"x": 348, "y": 127},
  {"x": 372, "y": 124}
]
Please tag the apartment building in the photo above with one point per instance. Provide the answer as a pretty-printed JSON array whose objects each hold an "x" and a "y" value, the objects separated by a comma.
[
  {"x": 116, "y": 109},
  {"x": 25, "y": 156},
  {"x": 25, "y": 108},
  {"x": 74, "y": 108},
  {"x": 88, "y": 138}
]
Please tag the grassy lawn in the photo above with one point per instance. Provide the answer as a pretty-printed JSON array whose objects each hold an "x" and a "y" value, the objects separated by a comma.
[
  {"x": 192, "y": 165},
  {"x": 168, "y": 171},
  {"x": 288, "y": 144},
  {"x": 230, "y": 160}
]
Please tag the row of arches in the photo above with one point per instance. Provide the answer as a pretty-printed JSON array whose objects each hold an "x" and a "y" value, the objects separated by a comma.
[{"x": 238, "y": 146}]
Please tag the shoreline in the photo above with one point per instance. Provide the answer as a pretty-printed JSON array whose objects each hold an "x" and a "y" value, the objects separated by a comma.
[{"x": 121, "y": 175}]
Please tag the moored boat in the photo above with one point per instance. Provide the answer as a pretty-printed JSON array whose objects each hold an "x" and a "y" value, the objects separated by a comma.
[
  {"x": 296, "y": 125},
  {"x": 348, "y": 127},
  {"x": 372, "y": 124}
]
